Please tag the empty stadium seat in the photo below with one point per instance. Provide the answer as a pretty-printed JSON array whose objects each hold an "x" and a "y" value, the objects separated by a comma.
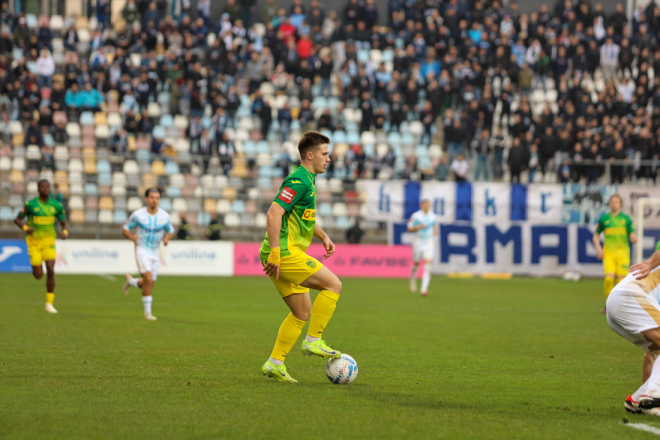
[{"x": 134, "y": 203}]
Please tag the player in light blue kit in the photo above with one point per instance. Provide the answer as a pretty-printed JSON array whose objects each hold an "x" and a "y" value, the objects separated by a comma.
[
  {"x": 424, "y": 224},
  {"x": 153, "y": 226}
]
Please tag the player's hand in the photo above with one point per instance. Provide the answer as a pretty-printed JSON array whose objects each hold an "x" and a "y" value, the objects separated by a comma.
[
  {"x": 599, "y": 254},
  {"x": 62, "y": 235},
  {"x": 165, "y": 241},
  {"x": 272, "y": 269},
  {"x": 29, "y": 231},
  {"x": 329, "y": 247},
  {"x": 643, "y": 269}
]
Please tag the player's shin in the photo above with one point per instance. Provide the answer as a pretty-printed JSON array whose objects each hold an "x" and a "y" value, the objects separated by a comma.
[
  {"x": 146, "y": 303},
  {"x": 426, "y": 277},
  {"x": 322, "y": 310},
  {"x": 286, "y": 338},
  {"x": 608, "y": 285}
]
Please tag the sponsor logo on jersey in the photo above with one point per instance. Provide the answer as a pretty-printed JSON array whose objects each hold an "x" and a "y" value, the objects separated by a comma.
[
  {"x": 287, "y": 195},
  {"x": 309, "y": 214},
  {"x": 52, "y": 210},
  {"x": 296, "y": 181}
]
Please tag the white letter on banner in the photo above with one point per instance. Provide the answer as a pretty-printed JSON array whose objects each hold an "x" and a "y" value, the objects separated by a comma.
[
  {"x": 385, "y": 200},
  {"x": 544, "y": 204},
  {"x": 442, "y": 196}
]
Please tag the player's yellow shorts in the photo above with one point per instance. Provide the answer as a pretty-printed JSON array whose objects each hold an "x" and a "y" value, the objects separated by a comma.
[
  {"x": 294, "y": 270},
  {"x": 616, "y": 262},
  {"x": 40, "y": 249}
]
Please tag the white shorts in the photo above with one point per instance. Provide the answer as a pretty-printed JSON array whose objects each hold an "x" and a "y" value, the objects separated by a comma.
[
  {"x": 147, "y": 262},
  {"x": 630, "y": 311},
  {"x": 423, "y": 252}
]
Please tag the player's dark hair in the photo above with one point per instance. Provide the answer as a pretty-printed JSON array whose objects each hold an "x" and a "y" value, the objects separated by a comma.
[
  {"x": 310, "y": 141},
  {"x": 42, "y": 181},
  {"x": 146, "y": 193}
]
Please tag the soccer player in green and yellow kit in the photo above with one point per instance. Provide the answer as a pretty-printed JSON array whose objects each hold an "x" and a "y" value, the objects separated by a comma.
[
  {"x": 40, "y": 231},
  {"x": 291, "y": 224},
  {"x": 618, "y": 229}
]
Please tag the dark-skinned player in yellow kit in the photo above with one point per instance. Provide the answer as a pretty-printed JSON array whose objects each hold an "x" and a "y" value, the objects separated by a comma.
[
  {"x": 41, "y": 212},
  {"x": 291, "y": 224}
]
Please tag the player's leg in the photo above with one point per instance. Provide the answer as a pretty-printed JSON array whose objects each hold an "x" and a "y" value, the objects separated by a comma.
[
  {"x": 36, "y": 261},
  {"x": 131, "y": 282},
  {"x": 413, "y": 274},
  {"x": 147, "y": 299},
  {"x": 297, "y": 298},
  {"x": 426, "y": 277},
  {"x": 609, "y": 267},
  {"x": 329, "y": 288},
  {"x": 50, "y": 286}
]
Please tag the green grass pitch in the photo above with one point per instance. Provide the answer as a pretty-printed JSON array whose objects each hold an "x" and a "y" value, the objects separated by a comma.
[{"x": 517, "y": 359}]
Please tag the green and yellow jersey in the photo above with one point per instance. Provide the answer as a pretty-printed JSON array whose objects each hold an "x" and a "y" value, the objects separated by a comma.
[
  {"x": 617, "y": 229},
  {"x": 41, "y": 216},
  {"x": 657, "y": 246},
  {"x": 297, "y": 196}
]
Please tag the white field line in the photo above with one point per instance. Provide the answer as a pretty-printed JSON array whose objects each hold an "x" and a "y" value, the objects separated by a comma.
[
  {"x": 643, "y": 427},
  {"x": 107, "y": 277}
]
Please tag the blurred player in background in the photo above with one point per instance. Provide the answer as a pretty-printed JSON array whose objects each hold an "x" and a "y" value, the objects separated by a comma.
[
  {"x": 633, "y": 312},
  {"x": 423, "y": 224},
  {"x": 153, "y": 226},
  {"x": 618, "y": 229},
  {"x": 291, "y": 224},
  {"x": 40, "y": 231}
]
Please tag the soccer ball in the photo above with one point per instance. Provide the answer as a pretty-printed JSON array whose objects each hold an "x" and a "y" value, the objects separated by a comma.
[{"x": 343, "y": 370}]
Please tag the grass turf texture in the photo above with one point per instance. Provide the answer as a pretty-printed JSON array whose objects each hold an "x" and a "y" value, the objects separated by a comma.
[{"x": 523, "y": 358}]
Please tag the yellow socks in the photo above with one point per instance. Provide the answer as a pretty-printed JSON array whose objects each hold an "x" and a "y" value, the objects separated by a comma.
[
  {"x": 50, "y": 297},
  {"x": 608, "y": 285},
  {"x": 322, "y": 310},
  {"x": 287, "y": 336}
]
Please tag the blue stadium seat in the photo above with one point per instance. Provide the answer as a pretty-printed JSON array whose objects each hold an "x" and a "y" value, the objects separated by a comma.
[
  {"x": 207, "y": 122},
  {"x": 166, "y": 204},
  {"x": 143, "y": 155},
  {"x": 203, "y": 218},
  {"x": 394, "y": 139},
  {"x": 166, "y": 121},
  {"x": 362, "y": 56},
  {"x": 86, "y": 118},
  {"x": 119, "y": 216},
  {"x": 105, "y": 179},
  {"x": 249, "y": 147},
  {"x": 6, "y": 213},
  {"x": 91, "y": 189},
  {"x": 263, "y": 147},
  {"x": 173, "y": 191},
  {"x": 48, "y": 140},
  {"x": 171, "y": 168},
  {"x": 164, "y": 98},
  {"x": 325, "y": 209},
  {"x": 342, "y": 222},
  {"x": 265, "y": 171},
  {"x": 339, "y": 137},
  {"x": 264, "y": 182},
  {"x": 238, "y": 206},
  {"x": 369, "y": 149},
  {"x": 159, "y": 132},
  {"x": 353, "y": 137}
]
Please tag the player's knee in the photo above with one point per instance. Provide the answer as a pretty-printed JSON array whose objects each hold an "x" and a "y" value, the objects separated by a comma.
[
  {"x": 38, "y": 273},
  {"x": 304, "y": 314},
  {"x": 335, "y": 286},
  {"x": 609, "y": 275}
]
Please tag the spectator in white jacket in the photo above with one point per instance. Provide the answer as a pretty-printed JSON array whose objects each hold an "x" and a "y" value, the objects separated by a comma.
[
  {"x": 45, "y": 69},
  {"x": 609, "y": 59}
]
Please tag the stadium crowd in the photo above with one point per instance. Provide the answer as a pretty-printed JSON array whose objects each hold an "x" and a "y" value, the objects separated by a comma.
[{"x": 557, "y": 92}]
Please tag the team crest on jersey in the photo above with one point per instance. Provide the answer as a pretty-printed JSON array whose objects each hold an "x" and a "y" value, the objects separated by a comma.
[
  {"x": 309, "y": 215},
  {"x": 36, "y": 209},
  {"x": 311, "y": 263},
  {"x": 287, "y": 195},
  {"x": 52, "y": 210}
]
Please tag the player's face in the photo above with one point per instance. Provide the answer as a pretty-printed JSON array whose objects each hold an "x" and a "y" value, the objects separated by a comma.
[
  {"x": 320, "y": 159},
  {"x": 153, "y": 200},
  {"x": 426, "y": 206},
  {"x": 615, "y": 204},
  {"x": 44, "y": 190}
]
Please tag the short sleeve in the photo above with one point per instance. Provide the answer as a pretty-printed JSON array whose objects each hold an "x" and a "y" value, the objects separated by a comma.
[
  {"x": 131, "y": 222},
  {"x": 600, "y": 228},
  {"x": 291, "y": 192},
  {"x": 25, "y": 210},
  {"x": 61, "y": 215},
  {"x": 631, "y": 226},
  {"x": 169, "y": 228}
]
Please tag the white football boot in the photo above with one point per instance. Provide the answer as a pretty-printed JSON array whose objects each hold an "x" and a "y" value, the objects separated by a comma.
[
  {"x": 50, "y": 308},
  {"x": 150, "y": 317}
]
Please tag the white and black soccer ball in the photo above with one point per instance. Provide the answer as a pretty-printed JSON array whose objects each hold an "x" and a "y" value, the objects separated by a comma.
[{"x": 342, "y": 370}]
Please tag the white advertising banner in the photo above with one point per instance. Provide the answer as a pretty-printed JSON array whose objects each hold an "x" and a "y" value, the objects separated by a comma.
[
  {"x": 385, "y": 200},
  {"x": 118, "y": 257}
]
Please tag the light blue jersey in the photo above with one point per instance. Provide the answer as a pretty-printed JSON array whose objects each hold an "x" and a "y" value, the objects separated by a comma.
[
  {"x": 424, "y": 236},
  {"x": 150, "y": 228}
]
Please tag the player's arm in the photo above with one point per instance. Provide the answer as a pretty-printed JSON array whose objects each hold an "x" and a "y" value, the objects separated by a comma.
[
  {"x": 19, "y": 220},
  {"x": 596, "y": 240},
  {"x": 325, "y": 239},
  {"x": 128, "y": 226},
  {"x": 632, "y": 235},
  {"x": 645, "y": 267},
  {"x": 61, "y": 216},
  {"x": 273, "y": 228},
  {"x": 169, "y": 233},
  {"x": 414, "y": 228}
]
